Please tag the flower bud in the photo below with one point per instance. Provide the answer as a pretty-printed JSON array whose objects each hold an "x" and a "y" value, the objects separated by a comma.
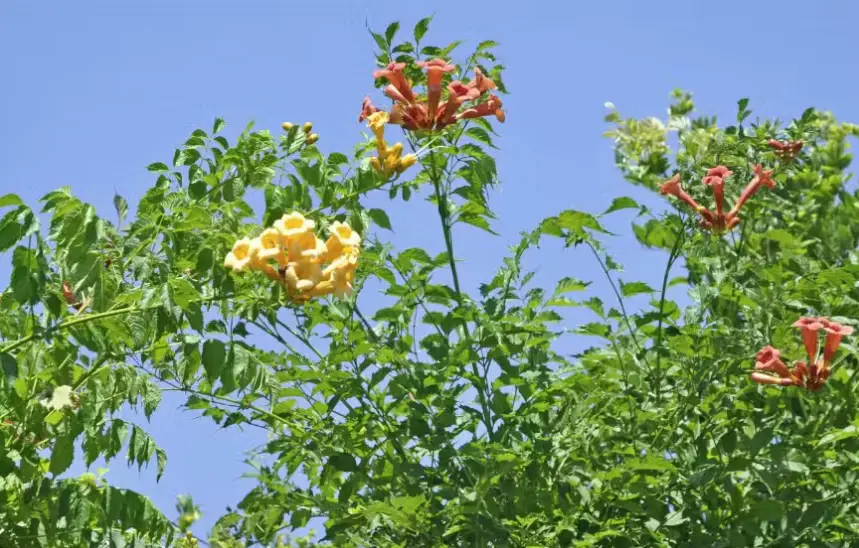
[
  {"x": 312, "y": 138},
  {"x": 307, "y": 127},
  {"x": 287, "y": 126}
]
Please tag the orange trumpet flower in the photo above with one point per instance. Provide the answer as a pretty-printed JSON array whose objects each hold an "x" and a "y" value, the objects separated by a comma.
[
  {"x": 436, "y": 70},
  {"x": 769, "y": 369},
  {"x": 715, "y": 179},
  {"x": 429, "y": 112}
]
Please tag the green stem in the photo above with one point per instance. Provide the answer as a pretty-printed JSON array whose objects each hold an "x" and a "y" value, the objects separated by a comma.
[
  {"x": 675, "y": 252},
  {"x": 71, "y": 323},
  {"x": 444, "y": 217},
  {"x": 617, "y": 295}
]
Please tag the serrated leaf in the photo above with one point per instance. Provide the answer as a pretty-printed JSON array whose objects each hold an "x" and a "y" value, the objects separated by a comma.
[
  {"x": 214, "y": 356},
  {"x": 10, "y": 200},
  {"x": 379, "y": 217},
  {"x": 161, "y": 457},
  {"x": 421, "y": 28},
  {"x": 623, "y": 202},
  {"x": 486, "y": 44},
  {"x": 219, "y": 126},
  {"x": 158, "y": 167},
  {"x": 121, "y": 207},
  {"x": 391, "y": 31},
  {"x": 9, "y": 365},
  {"x": 768, "y": 510},
  {"x": 343, "y": 461},
  {"x": 566, "y": 285},
  {"x": 233, "y": 189},
  {"x": 62, "y": 454},
  {"x": 635, "y": 288}
]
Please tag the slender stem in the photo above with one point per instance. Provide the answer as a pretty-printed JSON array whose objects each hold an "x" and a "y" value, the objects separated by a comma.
[
  {"x": 300, "y": 337},
  {"x": 616, "y": 294},
  {"x": 71, "y": 323},
  {"x": 675, "y": 251},
  {"x": 632, "y": 407},
  {"x": 444, "y": 217}
]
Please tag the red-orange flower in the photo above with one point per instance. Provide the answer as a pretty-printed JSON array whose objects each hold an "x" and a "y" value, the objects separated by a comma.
[
  {"x": 481, "y": 82},
  {"x": 399, "y": 88},
  {"x": 769, "y": 369},
  {"x": 430, "y": 112},
  {"x": 672, "y": 187},
  {"x": 834, "y": 333},
  {"x": 715, "y": 179},
  {"x": 367, "y": 109},
  {"x": 762, "y": 177},
  {"x": 491, "y": 106},
  {"x": 809, "y": 327},
  {"x": 786, "y": 150},
  {"x": 436, "y": 69},
  {"x": 458, "y": 95}
]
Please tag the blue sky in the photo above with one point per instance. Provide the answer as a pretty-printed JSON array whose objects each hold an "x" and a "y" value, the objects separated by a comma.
[{"x": 93, "y": 92}]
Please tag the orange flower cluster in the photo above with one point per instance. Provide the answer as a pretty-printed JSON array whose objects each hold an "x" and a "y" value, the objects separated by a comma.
[
  {"x": 786, "y": 150},
  {"x": 769, "y": 369},
  {"x": 429, "y": 112},
  {"x": 290, "y": 253},
  {"x": 719, "y": 221}
]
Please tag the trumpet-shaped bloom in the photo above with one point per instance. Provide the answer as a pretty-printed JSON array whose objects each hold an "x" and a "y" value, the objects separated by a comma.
[
  {"x": 436, "y": 69},
  {"x": 367, "y": 109},
  {"x": 300, "y": 254},
  {"x": 240, "y": 257},
  {"x": 769, "y": 369},
  {"x": 719, "y": 221},
  {"x": 429, "y": 112},
  {"x": 399, "y": 88},
  {"x": 271, "y": 246},
  {"x": 294, "y": 224}
]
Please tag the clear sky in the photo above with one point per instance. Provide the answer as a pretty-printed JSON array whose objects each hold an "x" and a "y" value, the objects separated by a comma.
[{"x": 92, "y": 92}]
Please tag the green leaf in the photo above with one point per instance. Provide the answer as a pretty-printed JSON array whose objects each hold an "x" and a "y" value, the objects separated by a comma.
[
  {"x": 635, "y": 288},
  {"x": 655, "y": 234},
  {"x": 9, "y": 365},
  {"x": 233, "y": 189},
  {"x": 158, "y": 167},
  {"x": 623, "y": 202},
  {"x": 422, "y": 27},
  {"x": 486, "y": 44},
  {"x": 380, "y": 42},
  {"x": 577, "y": 221},
  {"x": 343, "y": 461},
  {"x": 391, "y": 31},
  {"x": 214, "y": 356},
  {"x": 161, "y": 457},
  {"x": 183, "y": 292},
  {"x": 121, "y": 207},
  {"x": 10, "y": 230},
  {"x": 566, "y": 285},
  {"x": 674, "y": 519},
  {"x": 10, "y": 200},
  {"x": 380, "y": 218},
  {"x": 768, "y": 510},
  {"x": 219, "y": 126},
  {"x": 63, "y": 454},
  {"x": 480, "y": 134}
]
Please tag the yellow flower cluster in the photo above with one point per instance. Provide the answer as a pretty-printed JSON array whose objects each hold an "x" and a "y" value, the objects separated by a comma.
[
  {"x": 291, "y": 253},
  {"x": 390, "y": 160}
]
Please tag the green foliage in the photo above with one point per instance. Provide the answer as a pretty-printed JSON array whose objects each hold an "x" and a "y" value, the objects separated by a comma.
[{"x": 444, "y": 418}]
